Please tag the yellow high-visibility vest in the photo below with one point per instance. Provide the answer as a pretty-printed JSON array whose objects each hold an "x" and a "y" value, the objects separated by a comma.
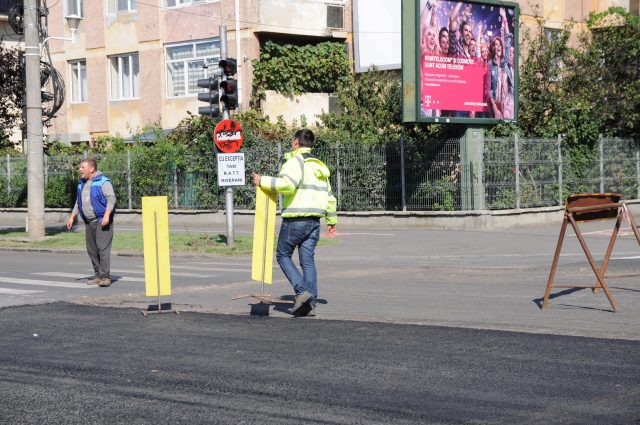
[{"x": 304, "y": 183}]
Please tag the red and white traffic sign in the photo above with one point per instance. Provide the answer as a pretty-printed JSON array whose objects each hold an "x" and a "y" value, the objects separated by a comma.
[{"x": 228, "y": 136}]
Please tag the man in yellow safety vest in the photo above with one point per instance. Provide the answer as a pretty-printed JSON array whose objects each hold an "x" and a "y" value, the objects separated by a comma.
[{"x": 304, "y": 183}]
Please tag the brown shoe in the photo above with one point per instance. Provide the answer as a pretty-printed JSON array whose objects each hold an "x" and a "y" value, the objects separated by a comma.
[
  {"x": 105, "y": 281},
  {"x": 95, "y": 281}
]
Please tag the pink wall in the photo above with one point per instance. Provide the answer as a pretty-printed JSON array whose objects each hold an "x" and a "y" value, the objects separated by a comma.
[
  {"x": 151, "y": 86},
  {"x": 56, "y": 29},
  {"x": 93, "y": 24},
  {"x": 180, "y": 26},
  {"x": 148, "y": 22},
  {"x": 97, "y": 94}
]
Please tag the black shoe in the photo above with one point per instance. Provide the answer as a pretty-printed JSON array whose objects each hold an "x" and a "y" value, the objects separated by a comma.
[
  {"x": 306, "y": 310},
  {"x": 301, "y": 299}
]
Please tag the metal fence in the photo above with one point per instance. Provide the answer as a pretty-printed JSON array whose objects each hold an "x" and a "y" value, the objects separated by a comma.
[{"x": 406, "y": 175}]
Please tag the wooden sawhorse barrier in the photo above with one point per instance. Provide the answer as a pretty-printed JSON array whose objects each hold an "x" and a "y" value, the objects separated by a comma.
[{"x": 591, "y": 207}]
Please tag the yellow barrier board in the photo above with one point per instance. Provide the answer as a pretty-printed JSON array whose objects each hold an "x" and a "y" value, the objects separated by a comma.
[
  {"x": 264, "y": 225},
  {"x": 155, "y": 234}
]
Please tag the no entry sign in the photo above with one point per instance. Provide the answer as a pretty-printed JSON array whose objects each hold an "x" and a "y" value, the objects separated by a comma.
[{"x": 228, "y": 136}]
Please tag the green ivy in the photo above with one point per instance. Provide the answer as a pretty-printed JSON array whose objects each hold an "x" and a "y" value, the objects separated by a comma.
[{"x": 290, "y": 69}]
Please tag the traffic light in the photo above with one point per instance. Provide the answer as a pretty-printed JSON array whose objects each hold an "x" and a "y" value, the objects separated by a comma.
[
  {"x": 212, "y": 97},
  {"x": 229, "y": 86},
  {"x": 230, "y": 96},
  {"x": 229, "y": 66}
]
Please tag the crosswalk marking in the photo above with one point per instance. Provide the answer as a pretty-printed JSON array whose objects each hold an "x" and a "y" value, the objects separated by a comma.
[
  {"x": 84, "y": 276},
  {"x": 213, "y": 269},
  {"x": 34, "y": 282},
  {"x": 141, "y": 271},
  {"x": 10, "y": 291}
]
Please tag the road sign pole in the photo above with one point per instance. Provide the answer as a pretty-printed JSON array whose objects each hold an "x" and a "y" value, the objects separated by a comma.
[{"x": 228, "y": 191}]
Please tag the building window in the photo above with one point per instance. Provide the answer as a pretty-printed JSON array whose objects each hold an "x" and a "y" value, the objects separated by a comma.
[
  {"x": 78, "y": 81},
  {"x": 634, "y": 7},
  {"x": 185, "y": 65},
  {"x": 74, "y": 7},
  {"x": 177, "y": 3},
  {"x": 125, "y": 76},
  {"x": 122, "y": 6}
]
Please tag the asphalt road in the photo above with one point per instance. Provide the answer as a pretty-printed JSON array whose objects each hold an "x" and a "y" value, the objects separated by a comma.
[{"x": 71, "y": 364}]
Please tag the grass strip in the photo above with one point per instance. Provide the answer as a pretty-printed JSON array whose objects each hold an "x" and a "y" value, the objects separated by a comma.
[{"x": 131, "y": 242}]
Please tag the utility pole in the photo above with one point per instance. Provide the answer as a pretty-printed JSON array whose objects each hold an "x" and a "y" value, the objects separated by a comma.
[{"x": 35, "y": 150}]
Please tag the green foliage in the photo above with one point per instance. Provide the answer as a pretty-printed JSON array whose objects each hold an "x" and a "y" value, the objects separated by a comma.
[
  {"x": 60, "y": 191},
  {"x": 439, "y": 193},
  {"x": 290, "y": 69},
  {"x": 606, "y": 72},
  {"x": 11, "y": 89}
]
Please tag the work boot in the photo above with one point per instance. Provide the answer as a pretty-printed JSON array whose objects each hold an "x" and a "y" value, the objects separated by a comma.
[
  {"x": 301, "y": 299},
  {"x": 96, "y": 280},
  {"x": 105, "y": 281},
  {"x": 306, "y": 310}
]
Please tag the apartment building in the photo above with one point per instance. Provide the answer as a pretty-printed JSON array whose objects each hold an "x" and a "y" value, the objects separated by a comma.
[{"x": 137, "y": 62}]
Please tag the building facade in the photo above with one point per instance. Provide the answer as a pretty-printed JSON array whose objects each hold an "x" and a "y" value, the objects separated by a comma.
[{"x": 137, "y": 62}]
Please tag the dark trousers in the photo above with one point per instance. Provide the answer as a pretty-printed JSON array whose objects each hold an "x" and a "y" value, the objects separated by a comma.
[{"x": 99, "y": 240}]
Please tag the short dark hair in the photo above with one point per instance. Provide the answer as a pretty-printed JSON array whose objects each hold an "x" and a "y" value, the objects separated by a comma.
[
  {"x": 304, "y": 137},
  {"x": 90, "y": 162}
]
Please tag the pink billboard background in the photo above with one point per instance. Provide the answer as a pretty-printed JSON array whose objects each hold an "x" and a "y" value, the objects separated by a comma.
[{"x": 466, "y": 60}]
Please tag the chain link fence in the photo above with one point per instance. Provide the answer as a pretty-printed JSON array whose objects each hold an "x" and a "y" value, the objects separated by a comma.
[{"x": 396, "y": 176}]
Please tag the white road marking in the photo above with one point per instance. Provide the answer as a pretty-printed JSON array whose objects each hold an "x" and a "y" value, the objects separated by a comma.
[
  {"x": 9, "y": 291},
  {"x": 363, "y": 233},
  {"x": 34, "y": 282},
  {"x": 84, "y": 276},
  {"x": 635, "y": 257},
  {"x": 141, "y": 271},
  {"x": 213, "y": 269}
]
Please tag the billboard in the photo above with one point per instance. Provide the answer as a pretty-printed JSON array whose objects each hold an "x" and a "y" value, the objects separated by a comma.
[{"x": 462, "y": 60}]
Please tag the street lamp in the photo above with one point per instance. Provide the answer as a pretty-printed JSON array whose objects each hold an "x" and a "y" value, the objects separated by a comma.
[
  {"x": 73, "y": 22},
  {"x": 35, "y": 148}
]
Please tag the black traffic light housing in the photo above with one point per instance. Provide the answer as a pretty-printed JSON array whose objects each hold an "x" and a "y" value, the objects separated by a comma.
[
  {"x": 230, "y": 96},
  {"x": 229, "y": 66},
  {"x": 229, "y": 85},
  {"x": 212, "y": 97}
]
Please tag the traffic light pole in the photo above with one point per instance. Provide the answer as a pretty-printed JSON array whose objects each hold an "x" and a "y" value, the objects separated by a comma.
[
  {"x": 228, "y": 191},
  {"x": 34, "y": 143}
]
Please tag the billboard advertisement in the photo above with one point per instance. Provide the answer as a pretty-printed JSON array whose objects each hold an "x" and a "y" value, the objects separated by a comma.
[{"x": 466, "y": 61}]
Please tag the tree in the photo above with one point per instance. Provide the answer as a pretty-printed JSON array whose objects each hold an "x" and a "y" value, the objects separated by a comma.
[
  {"x": 11, "y": 90},
  {"x": 606, "y": 72},
  {"x": 583, "y": 91}
]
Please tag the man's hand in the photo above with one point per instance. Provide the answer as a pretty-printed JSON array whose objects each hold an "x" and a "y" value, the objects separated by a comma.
[
  {"x": 331, "y": 231},
  {"x": 256, "y": 179},
  {"x": 105, "y": 218},
  {"x": 70, "y": 221}
]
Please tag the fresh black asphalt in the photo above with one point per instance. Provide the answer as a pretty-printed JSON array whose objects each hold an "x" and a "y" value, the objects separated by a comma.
[{"x": 72, "y": 364}]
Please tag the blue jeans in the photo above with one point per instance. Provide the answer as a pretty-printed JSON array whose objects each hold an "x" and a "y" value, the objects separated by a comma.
[{"x": 303, "y": 234}]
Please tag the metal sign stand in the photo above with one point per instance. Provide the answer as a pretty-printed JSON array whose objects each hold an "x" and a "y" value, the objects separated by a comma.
[
  {"x": 591, "y": 207},
  {"x": 158, "y": 309},
  {"x": 263, "y": 297}
]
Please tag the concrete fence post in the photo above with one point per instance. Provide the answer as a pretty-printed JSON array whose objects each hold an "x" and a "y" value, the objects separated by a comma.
[
  {"x": 8, "y": 173},
  {"x": 638, "y": 169},
  {"x": 560, "y": 194},
  {"x": 129, "y": 183},
  {"x": 516, "y": 155},
  {"x": 601, "y": 161},
  {"x": 403, "y": 182}
]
